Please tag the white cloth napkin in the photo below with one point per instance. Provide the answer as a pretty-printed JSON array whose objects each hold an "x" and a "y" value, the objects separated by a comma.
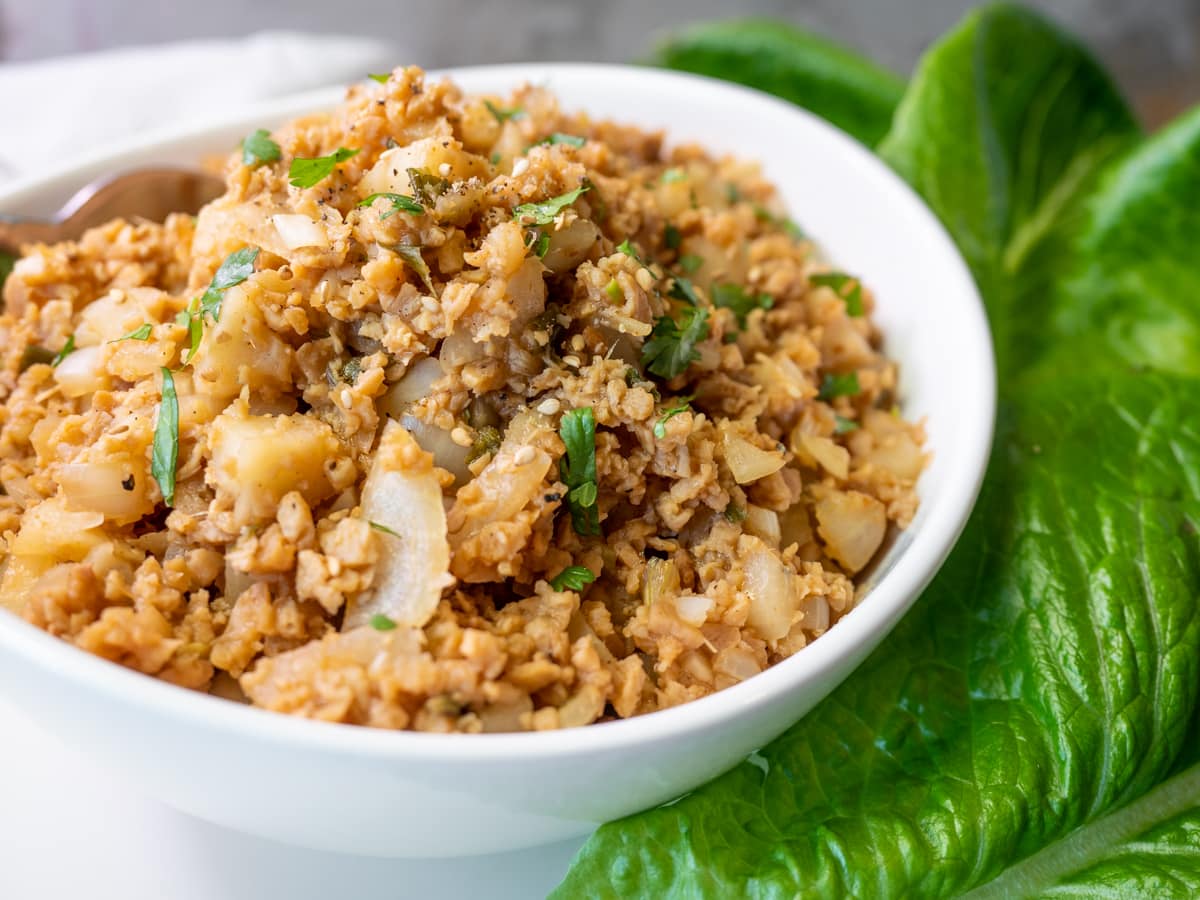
[{"x": 53, "y": 110}]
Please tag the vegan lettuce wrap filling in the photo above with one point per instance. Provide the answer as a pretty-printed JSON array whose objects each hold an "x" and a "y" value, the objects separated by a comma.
[{"x": 453, "y": 413}]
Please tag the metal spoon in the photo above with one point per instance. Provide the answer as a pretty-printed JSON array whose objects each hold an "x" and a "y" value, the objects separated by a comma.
[{"x": 142, "y": 194}]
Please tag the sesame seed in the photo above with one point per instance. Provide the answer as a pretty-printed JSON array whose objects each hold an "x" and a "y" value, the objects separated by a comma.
[
  {"x": 524, "y": 456},
  {"x": 549, "y": 406},
  {"x": 444, "y": 169},
  {"x": 572, "y": 361},
  {"x": 346, "y": 397},
  {"x": 519, "y": 167},
  {"x": 577, "y": 343},
  {"x": 460, "y": 436}
]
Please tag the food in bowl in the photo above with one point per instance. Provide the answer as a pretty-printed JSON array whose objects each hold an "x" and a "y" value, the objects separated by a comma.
[{"x": 453, "y": 413}]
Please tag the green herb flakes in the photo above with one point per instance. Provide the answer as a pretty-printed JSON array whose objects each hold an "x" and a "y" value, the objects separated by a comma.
[
  {"x": 614, "y": 292},
  {"x": 141, "y": 333},
  {"x": 627, "y": 248},
  {"x": 671, "y": 237},
  {"x": 572, "y": 578},
  {"x": 383, "y": 528},
  {"x": 380, "y": 622},
  {"x": 416, "y": 261},
  {"x": 400, "y": 203},
  {"x": 165, "y": 450},
  {"x": 690, "y": 263},
  {"x": 426, "y": 186},
  {"x": 672, "y": 345},
  {"x": 842, "y": 425},
  {"x": 501, "y": 114},
  {"x": 683, "y": 404},
  {"x": 304, "y": 173},
  {"x": 577, "y": 469},
  {"x": 67, "y": 349},
  {"x": 670, "y": 176},
  {"x": 258, "y": 149},
  {"x": 33, "y": 355},
  {"x": 735, "y": 297},
  {"x": 839, "y": 281},
  {"x": 545, "y": 211},
  {"x": 381, "y": 77},
  {"x": 838, "y": 386},
  {"x": 683, "y": 289},
  {"x": 558, "y": 137}
]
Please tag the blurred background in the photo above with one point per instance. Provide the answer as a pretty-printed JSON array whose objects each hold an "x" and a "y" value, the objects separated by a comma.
[{"x": 1151, "y": 46}]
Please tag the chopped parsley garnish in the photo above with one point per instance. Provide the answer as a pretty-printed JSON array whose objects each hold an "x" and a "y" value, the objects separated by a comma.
[
  {"x": 412, "y": 255},
  {"x": 672, "y": 345},
  {"x": 633, "y": 376},
  {"x": 258, "y": 149},
  {"x": 67, "y": 349},
  {"x": 34, "y": 355},
  {"x": 381, "y": 77},
  {"x": 670, "y": 176},
  {"x": 427, "y": 186},
  {"x": 141, "y": 333},
  {"x": 501, "y": 114},
  {"x": 380, "y": 622},
  {"x": 627, "y": 248},
  {"x": 558, "y": 137},
  {"x": 671, "y": 237},
  {"x": 304, "y": 173},
  {"x": 842, "y": 425},
  {"x": 350, "y": 370},
  {"x": 734, "y": 513},
  {"x": 734, "y": 297},
  {"x": 613, "y": 289},
  {"x": 578, "y": 469},
  {"x": 838, "y": 281},
  {"x": 683, "y": 289},
  {"x": 732, "y": 194},
  {"x": 380, "y": 527},
  {"x": 839, "y": 386},
  {"x": 683, "y": 404},
  {"x": 165, "y": 450},
  {"x": 400, "y": 203},
  {"x": 690, "y": 262},
  {"x": 572, "y": 578},
  {"x": 237, "y": 267},
  {"x": 538, "y": 241},
  {"x": 794, "y": 231},
  {"x": 546, "y": 211},
  {"x": 487, "y": 442}
]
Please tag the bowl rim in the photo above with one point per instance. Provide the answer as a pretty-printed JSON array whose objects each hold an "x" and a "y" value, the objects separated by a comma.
[{"x": 890, "y": 598}]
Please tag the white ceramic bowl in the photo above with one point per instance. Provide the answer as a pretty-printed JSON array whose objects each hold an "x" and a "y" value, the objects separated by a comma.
[{"x": 385, "y": 793}]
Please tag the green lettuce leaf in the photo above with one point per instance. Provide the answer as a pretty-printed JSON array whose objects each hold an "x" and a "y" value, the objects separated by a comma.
[
  {"x": 1150, "y": 848},
  {"x": 1135, "y": 263},
  {"x": 1045, "y": 676},
  {"x": 1049, "y": 675},
  {"x": 1006, "y": 124},
  {"x": 851, "y": 92}
]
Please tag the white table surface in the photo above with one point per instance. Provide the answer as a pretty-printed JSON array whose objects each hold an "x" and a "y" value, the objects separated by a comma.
[{"x": 68, "y": 830}]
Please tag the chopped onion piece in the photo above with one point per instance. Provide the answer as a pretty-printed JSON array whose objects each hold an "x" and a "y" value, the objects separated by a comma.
[
  {"x": 693, "y": 608},
  {"x": 297, "y": 230},
  {"x": 747, "y": 462},
  {"x": 833, "y": 458},
  {"x": 79, "y": 373},
  {"x": 403, "y": 496},
  {"x": 770, "y": 585},
  {"x": 763, "y": 523},
  {"x": 417, "y": 384},
  {"x": 814, "y": 613},
  {"x": 852, "y": 526}
]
